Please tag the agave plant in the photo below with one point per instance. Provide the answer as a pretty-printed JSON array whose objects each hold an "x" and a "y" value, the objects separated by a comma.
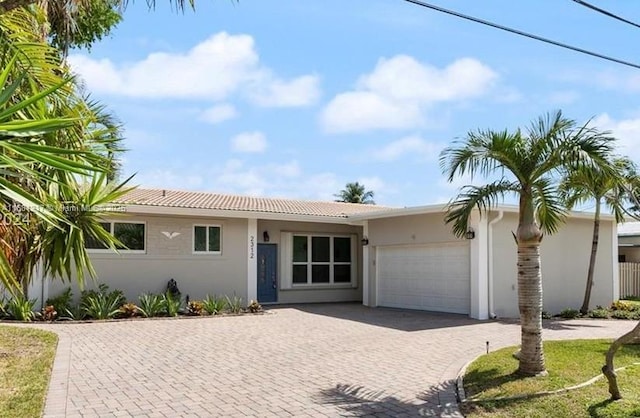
[
  {"x": 20, "y": 308},
  {"x": 150, "y": 305},
  {"x": 101, "y": 306},
  {"x": 172, "y": 304},
  {"x": 213, "y": 305},
  {"x": 234, "y": 305}
]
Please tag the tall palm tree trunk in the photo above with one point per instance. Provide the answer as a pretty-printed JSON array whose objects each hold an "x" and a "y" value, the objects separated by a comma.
[
  {"x": 592, "y": 260},
  {"x": 530, "y": 305},
  {"x": 529, "y": 290}
]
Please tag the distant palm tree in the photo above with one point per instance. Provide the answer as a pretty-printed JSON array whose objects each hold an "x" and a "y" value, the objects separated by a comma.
[
  {"x": 613, "y": 188},
  {"x": 529, "y": 162},
  {"x": 355, "y": 193}
]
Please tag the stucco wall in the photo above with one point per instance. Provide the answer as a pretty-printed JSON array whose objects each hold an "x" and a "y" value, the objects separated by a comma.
[
  {"x": 565, "y": 260},
  {"x": 313, "y": 294},
  {"x": 196, "y": 274},
  {"x": 404, "y": 230}
]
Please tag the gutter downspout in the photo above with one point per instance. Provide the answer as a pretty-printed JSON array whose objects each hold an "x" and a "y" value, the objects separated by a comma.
[{"x": 492, "y": 314}]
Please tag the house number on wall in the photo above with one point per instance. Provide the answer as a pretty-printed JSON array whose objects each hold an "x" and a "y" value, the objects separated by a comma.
[{"x": 251, "y": 246}]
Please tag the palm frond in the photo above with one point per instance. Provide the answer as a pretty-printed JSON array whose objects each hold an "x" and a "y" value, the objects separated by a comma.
[
  {"x": 480, "y": 198},
  {"x": 549, "y": 208}
]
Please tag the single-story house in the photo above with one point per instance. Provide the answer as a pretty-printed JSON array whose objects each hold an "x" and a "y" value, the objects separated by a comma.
[{"x": 295, "y": 251}]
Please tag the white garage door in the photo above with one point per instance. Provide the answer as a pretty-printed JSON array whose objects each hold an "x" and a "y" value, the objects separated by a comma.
[{"x": 426, "y": 277}]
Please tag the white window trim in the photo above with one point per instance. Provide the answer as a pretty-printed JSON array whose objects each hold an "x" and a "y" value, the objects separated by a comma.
[
  {"x": 193, "y": 240},
  {"x": 121, "y": 250},
  {"x": 288, "y": 263}
]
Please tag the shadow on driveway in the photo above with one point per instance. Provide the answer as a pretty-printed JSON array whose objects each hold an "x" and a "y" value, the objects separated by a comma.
[
  {"x": 398, "y": 319},
  {"x": 359, "y": 401}
]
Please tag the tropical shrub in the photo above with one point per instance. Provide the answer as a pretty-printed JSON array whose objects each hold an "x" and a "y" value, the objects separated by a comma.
[
  {"x": 254, "y": 307},
  {"x": 128, "y": 310},
  {"x": 213, "y": 305},
  {"x": 622, "y": 314},
  {"x": 195, "y": 308},
  {"x": 150, "y": 305},
  {"x": 62, "y": 302},
  {"x": 621, "y": 305},
  {"x": 172, "y": 304},
  {"x": 599, "y": 312},
  {"x": 116, "y": 295},
  {"x": 75, "y": 312},
  {"x": 569, "y": 313},
  {"x": 49, "y": 313},
  {"x": 20, "y": 308},
  {"x": 101, "y": 305},
  {"x": 234, "y": 305}
]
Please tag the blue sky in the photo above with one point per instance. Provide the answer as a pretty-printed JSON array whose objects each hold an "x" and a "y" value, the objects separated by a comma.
[{"x": 296, "y": 98}]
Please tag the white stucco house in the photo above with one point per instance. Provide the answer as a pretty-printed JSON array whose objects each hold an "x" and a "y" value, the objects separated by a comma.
[{"x": 295, "y": 251}]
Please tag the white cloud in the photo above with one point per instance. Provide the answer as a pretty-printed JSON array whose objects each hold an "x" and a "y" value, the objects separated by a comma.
[
  {"x": 397, "y": 92},
  {"x": 626, "y": 130},
  {"x": 219, "y": 113},
  {"x": 413, "y": 146},
  {"x": 301, "y": 91},
  {"x": 253, "y": 142},
  {"x": 212, "y": 70}
]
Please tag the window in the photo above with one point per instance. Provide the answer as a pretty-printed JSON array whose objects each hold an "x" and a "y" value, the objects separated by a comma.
[
  {"x": 206, "y": 239},
  {"x": 130, "y": 234},
  {"x": 321, "y": 260}
]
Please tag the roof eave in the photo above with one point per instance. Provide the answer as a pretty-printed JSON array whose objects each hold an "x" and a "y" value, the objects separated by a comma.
[{"x": 238, "y": 214}]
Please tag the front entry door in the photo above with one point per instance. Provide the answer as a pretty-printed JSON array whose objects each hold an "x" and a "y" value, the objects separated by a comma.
[{"x": 267, "y": 273}]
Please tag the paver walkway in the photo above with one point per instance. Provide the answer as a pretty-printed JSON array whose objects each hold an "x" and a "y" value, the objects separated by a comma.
[{"x": 304, "y": 361}]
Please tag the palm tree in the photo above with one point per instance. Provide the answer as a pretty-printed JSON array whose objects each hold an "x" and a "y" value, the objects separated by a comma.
[
  {"x": 355, "y": 193},
  {"x": 611, "y": 188},
  {"x": 56, "y": 151},
  {"x": 529, "y": 162}
]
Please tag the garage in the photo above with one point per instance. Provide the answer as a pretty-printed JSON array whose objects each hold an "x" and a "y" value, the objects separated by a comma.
[{"x": 434, "y": 277}]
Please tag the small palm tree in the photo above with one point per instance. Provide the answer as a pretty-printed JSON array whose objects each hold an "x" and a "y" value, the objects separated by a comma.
[
  {"x": 611, "y": 188},
  {"x": 529, "y": 163},
  {"x": 355, "y": 193}
]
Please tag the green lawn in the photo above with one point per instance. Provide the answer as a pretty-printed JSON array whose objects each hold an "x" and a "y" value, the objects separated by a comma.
[
  {"x": 26, "y": 358},
  {"x": 569, "y": 363}
]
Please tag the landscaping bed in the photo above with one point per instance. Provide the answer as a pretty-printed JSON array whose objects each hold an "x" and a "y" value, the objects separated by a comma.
[
  {"x": 569, "y": 363},
  {"x": 106, "y": 304},
  {"x": 26, "y": 359}
]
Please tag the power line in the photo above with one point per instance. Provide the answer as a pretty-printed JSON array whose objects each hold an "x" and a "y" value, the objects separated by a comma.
[
  {"x": 605, "y": 12},
  {"x": 521, "y": 33}
]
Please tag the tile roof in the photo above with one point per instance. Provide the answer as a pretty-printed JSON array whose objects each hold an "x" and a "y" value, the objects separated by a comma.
[{"x": 216, "y": 201}]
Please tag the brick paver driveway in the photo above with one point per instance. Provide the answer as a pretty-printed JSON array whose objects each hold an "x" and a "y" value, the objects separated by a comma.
[{"x": 315, "y": 360}]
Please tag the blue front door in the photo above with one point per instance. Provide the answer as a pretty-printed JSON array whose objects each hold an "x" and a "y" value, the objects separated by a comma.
[{"x": 267, "y": 273}]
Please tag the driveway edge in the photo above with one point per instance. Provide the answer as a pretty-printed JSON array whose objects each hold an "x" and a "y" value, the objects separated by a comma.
[{"x": 56, "y": 401}]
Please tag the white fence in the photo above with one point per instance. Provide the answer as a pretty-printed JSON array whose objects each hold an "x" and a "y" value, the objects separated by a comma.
[{"x": 629, "y": 279}]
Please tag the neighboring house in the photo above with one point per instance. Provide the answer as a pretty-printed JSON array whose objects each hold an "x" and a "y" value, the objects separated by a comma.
[
  {"x": 294, "y": 251},
  {"x": 629, "y": 242},
  {"x": 629, "y": 258}
]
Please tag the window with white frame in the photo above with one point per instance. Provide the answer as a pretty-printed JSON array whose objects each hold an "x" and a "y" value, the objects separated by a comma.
[
  {"x": 207, "y": 239},
  {"x": 130, "y": 234},
  {"x": 320, "y": 260}
]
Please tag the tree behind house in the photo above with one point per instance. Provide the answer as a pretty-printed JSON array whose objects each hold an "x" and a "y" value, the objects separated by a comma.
[
  {"x": 611, "y": 187},
  {"x": 355, "y": 193}
]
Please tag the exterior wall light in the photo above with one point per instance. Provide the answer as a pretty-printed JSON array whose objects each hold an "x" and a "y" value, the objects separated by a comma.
[{"x": 470, "y": 234}]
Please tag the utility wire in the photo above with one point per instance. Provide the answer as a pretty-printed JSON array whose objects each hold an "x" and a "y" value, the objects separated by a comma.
[
  {"x": 521, "y": 33},
  {"x": 605, "y": 12}
]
